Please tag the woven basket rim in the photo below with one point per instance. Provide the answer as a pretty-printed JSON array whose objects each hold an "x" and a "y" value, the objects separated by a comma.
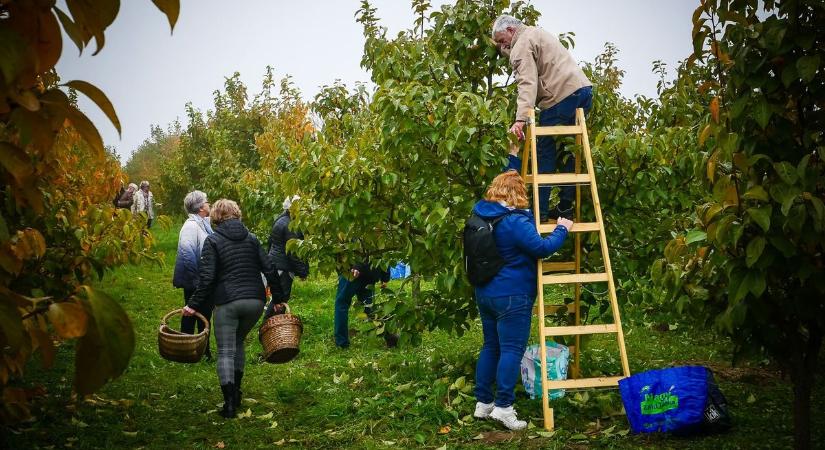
[{"x": 176, "y": 333}]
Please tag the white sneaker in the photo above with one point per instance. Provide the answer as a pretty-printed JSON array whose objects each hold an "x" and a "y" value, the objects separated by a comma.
[
  {"x": 483, "y": 410},
  {"x": 507, "y": 416}
]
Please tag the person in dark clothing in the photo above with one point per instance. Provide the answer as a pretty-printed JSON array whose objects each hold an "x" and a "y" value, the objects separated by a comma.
[
  {"x": 363, "y": 276},
  {"x": 125, "y": 197},
  {"x": 229, "y": 272},
  {"x": 505, "y": 303},
  {"x": 286, "y": 264}
]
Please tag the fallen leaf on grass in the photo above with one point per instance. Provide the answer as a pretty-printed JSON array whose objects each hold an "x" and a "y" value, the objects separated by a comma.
[
  {"x": 478, "y": 437},
  {"x": 444, "y": 430},
  {"x": 266, "y": 416},
  {"x": 281, "y": 442},
  {"x": 130, "y": 433},
  {"x": 751, "y": 399},
  {"x": 388, "y": 443},
  {"x": 245, "y": 415},
  {"x": 79, "y": 423},
  {"x": 274, "y": 424},
  {"x": 220, "y": 444},
  {"x": 546, "y": 434}
]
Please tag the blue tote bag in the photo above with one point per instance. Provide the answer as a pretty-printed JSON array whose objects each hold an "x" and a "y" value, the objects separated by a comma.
[{"x": 681, "y": 400}]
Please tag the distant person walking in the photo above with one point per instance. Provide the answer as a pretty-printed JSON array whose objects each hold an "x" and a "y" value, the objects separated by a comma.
[
  {"x": 231, "y": 264},
  {"x": 144, "y": 202},
  {"x": 192, "y": 235},
  {"x": 125, "y": 197},
  {"x": 505, "y": 303},
  {"x": 548, "y": 78}
]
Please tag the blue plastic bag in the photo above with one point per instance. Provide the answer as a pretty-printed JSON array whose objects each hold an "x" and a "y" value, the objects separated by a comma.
[
  {"x": 401, "y": 270},
  {"x": 666, "y": 400}
]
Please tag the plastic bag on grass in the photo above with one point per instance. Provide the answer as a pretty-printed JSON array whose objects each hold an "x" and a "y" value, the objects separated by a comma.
[{"x": 558, "y": 356}]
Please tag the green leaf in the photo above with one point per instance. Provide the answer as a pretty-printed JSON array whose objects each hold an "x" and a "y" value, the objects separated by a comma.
[
  {"x": 754, "y": 250},
  {"x": 14, "y": 54},
  {"x": 756, "y": 193},
  {"x": 103, "y": 353},
  {"x": 100, "y": 99},
  {"x": 762, "y": 112},
  {"x": 70, "y": 28},
  {"x": 786, "y": 171},
  {"x": 172, "y": 10},
  {"x": 756, "y": 283},
  {"x": 819, "y": 210},
  {"x": 695, "y": 236},
  {"x": 807, "y": 67},
  {"x": 762, "y": 216}
]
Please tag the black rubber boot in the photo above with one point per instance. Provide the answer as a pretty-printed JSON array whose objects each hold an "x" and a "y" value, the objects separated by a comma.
[
  {"x": 228, "y": 410},
  {"x": 238, "y": 393}
]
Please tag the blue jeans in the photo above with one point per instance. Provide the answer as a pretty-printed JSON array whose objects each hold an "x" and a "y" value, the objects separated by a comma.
[
  {"x": 562, "y": 113},
  {"x": 505, "y": 322},
  {"x": 343, "y": 299}
]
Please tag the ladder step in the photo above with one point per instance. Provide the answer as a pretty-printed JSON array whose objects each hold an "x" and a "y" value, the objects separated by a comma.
[
  {"x": 582, "y": 227},
  {"x": 574, "y": 278},
  {"x": 575, "y": 383},
  {"x": 580, "y": 329},
  {"x": 553, "y": 309},
  {"x": 559, "y": 130},
  {"x": 558, "y": 266},
  {"x": 560, "y": 178}
]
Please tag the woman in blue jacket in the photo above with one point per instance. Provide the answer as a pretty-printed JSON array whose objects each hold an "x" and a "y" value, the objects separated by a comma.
[{"x": 505, "y": 303}]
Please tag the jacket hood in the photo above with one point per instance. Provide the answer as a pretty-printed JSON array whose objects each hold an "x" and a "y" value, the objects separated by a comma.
[
  {"x": 492, "y": 210},
  {"x": 232, "y": 229}
]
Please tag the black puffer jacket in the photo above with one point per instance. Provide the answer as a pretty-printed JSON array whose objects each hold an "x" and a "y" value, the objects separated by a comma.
[
  {"x": 371, "y": 274},
  {"x": 278, "y": 237},
  {"x": 230, "y": 267}
]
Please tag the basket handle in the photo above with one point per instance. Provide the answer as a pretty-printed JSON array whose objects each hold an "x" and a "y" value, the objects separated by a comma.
[
  {"x": 286, "y": 307},
  {"x": 180, "y": 311}
]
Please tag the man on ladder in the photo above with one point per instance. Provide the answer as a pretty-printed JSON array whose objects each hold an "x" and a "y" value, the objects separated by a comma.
[{"x": 547, "y": 77}]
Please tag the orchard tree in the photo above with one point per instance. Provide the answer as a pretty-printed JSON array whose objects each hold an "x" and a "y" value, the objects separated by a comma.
[
  {"x": 58, "y": 229},
  {"x": 755, "y": 260}
]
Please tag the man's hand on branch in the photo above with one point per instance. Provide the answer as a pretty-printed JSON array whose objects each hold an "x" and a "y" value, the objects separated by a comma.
[{"x": 518, "y": 129}]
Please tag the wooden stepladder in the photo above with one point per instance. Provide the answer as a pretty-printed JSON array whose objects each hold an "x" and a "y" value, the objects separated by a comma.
[{"x": 570, "y": 272}]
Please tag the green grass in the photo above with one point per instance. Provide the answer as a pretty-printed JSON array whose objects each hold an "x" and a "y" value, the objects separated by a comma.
[{"x": 367, "y": 396}]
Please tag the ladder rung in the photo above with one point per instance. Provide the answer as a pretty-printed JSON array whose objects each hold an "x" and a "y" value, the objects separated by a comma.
[
  {"x": 553, "y": 309},
  {"x": 558, "y": 266},
  {"x": 574, "y": 278},
  {"x": 559, "y": 130},
  {"x": 560, "y": 178},
  {"x": 580, "y": 329},
  {"x": 575, "y": 383},
  {"x": 582, "y": 227}
]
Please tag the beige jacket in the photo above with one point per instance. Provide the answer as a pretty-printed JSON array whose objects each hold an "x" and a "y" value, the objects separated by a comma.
[{"x": 545, "y": 71}]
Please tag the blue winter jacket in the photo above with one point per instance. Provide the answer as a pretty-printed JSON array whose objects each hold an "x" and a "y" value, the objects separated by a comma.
[{"x": 520, "y": 244}]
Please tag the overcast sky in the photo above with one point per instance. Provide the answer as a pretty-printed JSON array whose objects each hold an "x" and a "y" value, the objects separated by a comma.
[{"x": 150, "y": 74}]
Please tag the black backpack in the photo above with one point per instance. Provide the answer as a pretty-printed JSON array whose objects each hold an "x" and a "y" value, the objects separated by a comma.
[{"x": 481, "y": 258}]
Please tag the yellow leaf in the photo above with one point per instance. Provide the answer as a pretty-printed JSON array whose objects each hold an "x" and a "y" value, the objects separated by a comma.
[
  {"x": 444, "y": 430},
  {"x": 220, "y": 444},
  {"x": 714, "y": 109},
  {"x": 703, "y": 136}
]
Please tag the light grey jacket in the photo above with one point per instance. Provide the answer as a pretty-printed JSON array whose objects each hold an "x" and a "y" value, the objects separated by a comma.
[{"x": 140, "y": 205}]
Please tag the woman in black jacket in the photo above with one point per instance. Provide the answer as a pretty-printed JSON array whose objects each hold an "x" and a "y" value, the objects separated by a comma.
[
  {"x": 229, "y": 273},
  {"x": 287, "y": 265}
]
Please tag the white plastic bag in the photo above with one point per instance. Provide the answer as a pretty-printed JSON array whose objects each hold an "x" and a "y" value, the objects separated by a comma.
[{"x": 557, "y": 357}]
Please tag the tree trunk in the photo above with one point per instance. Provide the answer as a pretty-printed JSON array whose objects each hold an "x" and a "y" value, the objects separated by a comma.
[{"x": 802, "y": 375}]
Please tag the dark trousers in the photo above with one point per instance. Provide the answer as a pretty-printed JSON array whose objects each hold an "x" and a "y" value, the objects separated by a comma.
[
  {"x": 187, "y": 324},
  {"x": 550, "y": 157},
  {"x": 286, "y": 292}
]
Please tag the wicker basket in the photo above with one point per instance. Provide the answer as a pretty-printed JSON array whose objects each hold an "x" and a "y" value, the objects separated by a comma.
[
  {"x": 281, "y": 337},
  {"x": 182, "y": 347}
]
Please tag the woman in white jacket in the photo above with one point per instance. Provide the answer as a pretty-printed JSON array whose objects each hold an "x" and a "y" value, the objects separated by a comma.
[
  {"x": 144, "y": 201},
  {"x": 190, "y": 242}
]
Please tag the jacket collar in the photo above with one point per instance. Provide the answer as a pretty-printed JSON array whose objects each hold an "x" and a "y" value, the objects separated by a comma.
[{"x": 516, "y": 36}]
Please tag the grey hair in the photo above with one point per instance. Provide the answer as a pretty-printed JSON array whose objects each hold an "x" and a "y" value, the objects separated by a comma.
[
  {"x": 133, "y": 186},
  {"x": 503, "y": 21},
  {"x": 194, "y": 201},
  {"x": 143, "y": 184}
]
